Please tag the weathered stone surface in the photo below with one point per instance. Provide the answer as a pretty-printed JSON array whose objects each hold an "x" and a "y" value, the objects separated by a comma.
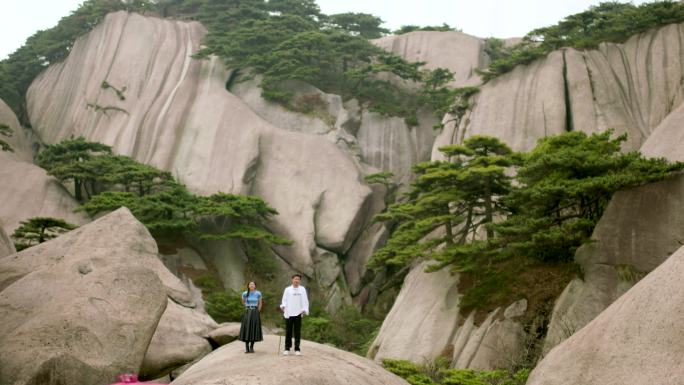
[
  {"x": 27, "y": 190},
  {"x": 639, "y": 229},
  {"x": 519, "y": 107},
  {"x": 227, "y": 258},
  {"x": 630, "y": 87},
  {"x": 326, "y": 267},
  {"x": 639, "y": 339},
  {"x": 225, "y": 333},
  {"x": 178, "y": 340},
  {"x": 496, "y": 343},
  {"x": 388, "y": 144},
  {"x": 320, "y": 364},
  {"x": 327, "y": 115},
  {"x": 179, "y": 117},
  {"x": 458, "y": 52},
  {"x": 6, "y": 244},
  {"x": 20, "y": 140},
  {"x": 500, "y": 346},
  {"x": 83, "y": 307},
  {"x": 355, "y": 267},
  {"x": 666, "y": 140},
  {"x": 424, "y": 313}
]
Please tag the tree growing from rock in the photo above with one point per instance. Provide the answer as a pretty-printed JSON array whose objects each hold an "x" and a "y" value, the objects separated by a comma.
[
  {"x": 68, "y": 159},
  {"x": 38, "y": 230},
  {"x": 5, "y": 130},
  {"x": 563, "y": 187},
  {"x": 468, "y": 214},
  {"x": 459, "y": 196}
]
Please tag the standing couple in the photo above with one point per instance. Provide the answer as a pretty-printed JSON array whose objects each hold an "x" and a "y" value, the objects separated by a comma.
[{"x": 294, "y": 305}]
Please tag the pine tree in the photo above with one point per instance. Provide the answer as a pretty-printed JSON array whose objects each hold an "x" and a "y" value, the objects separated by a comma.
[{"x": 38, "y": 230}]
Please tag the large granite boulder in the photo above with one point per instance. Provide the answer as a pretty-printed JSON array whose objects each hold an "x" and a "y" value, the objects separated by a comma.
[
  {"x": 27, "y": 191},
  {"x": 320, "y": 364},
  {"x": 20, "y": 140},
  {"x": 180, "y": 338},
  {"x": 639, "y": 229},
  {"x": 495, "y": 343},
  {"x": 83, "y": 307},
  {"x": 425, "y": 313},
  {"x": 177, "y": 115},
  {"x": 639, "y": 339},
  {"x": 458, "y": 52},
  {"x": 627, "y": 87},
  {"x": 383, "y": 142}
]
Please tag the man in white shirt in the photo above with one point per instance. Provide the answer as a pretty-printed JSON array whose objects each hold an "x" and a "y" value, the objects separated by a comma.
[{"x": 294, "y": 305}]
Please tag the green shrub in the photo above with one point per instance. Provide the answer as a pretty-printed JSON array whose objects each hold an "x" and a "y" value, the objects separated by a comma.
[
  {"x": 437, "y": 373},
  {"x": 225, "y": 306}
]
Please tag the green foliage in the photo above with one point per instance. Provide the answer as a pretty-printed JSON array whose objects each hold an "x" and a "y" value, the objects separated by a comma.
[
  {"x": 359, "y": 24},
  {"x": 444, "y": 195},
  {"x": 412, "y": 28},
  {"x": 347, "y": 329},
  {"x": 561, "y": 189},
  {"x": 606, "y": 22},
  {"x": 564, "y": 185},
  {"x": 38, "y": 230},
  {"x": 119, "y": 92},
  {"x": 279, "y": 39},
  {"x": 68, "y": 159},
  {"x": 160, "y": 203},
  {"x": 225, "y": 306},
  {"x": 5, "y": 130},
  {"x": 329, "y": 52},
  {"x": 438, "y": 374}
]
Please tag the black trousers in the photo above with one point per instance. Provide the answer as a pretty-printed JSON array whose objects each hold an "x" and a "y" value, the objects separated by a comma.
[{"x": 293, "y": 324}]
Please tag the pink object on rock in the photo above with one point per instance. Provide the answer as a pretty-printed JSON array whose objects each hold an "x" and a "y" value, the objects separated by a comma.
[{"x": 130, "y": 378}]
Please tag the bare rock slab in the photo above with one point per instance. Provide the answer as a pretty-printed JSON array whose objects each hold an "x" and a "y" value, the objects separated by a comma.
[
  {"x": 320, "y": 365},
  {"x": 639, "y": 339}
]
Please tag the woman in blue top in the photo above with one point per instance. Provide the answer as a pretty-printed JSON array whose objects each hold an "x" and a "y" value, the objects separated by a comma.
[{"x": 250, "y": 329}]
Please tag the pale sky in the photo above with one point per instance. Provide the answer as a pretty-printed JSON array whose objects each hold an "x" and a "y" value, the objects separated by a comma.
[{"x": 19, "y": 19}]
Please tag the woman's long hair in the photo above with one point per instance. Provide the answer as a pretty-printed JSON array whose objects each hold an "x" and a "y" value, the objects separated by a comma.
[{"x": 249, "y": 291}]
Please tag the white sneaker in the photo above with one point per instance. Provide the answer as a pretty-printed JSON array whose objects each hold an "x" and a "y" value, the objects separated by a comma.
[
  {"x": 298, "y": 353},
  {"x": 286, "y": 352}
]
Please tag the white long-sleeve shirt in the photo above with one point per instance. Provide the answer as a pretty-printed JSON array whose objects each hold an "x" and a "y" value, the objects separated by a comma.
[{"x": 295, "y": 301}]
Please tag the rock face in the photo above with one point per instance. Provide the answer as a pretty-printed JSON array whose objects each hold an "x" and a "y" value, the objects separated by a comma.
[
  {"x": 633, "y": 88},
  {"x": 426, "y": 313},
  {"x": 82, "y": 307},
  {"x": 320, "y": 364},
  {"x": 93, "y": 303},
  {"x": 630, "y": 87},
  {"x": 385, "y": 143},
  {"x": 6, "y": 245},
  {"x": 27, "y": 190},
  {"x": 20, "y": 139},
  {"x": 639, "y": 339},
  {"x": 494, "y": 344},
  {"x": 460, "y": 53},
  {"x": 638, "y": 230},
  {"x": 178, "y": 340},
  {"x": 177, "y": 116}
]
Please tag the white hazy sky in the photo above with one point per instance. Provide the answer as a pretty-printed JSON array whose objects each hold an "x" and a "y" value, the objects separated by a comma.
[{"x": 19, "y": 19}]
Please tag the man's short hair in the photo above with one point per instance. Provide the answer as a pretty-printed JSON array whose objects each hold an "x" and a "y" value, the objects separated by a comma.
[{"x": 297, "y": 275}]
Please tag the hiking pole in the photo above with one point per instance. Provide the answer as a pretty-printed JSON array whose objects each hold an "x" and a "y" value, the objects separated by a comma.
[{"x": 278, "y": 351}]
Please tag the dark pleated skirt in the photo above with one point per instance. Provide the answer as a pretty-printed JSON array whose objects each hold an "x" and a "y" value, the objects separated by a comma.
[{"x": 250, "y": 329}]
